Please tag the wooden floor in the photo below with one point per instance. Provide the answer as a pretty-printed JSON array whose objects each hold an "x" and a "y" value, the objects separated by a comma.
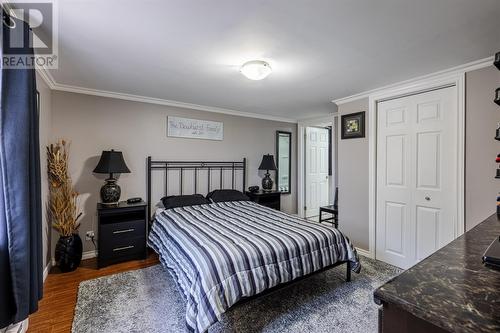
[{"x": 56, "y": 309}]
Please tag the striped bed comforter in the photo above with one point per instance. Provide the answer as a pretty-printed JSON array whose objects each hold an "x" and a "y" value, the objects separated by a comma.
[{"x": 222, "y": 252}]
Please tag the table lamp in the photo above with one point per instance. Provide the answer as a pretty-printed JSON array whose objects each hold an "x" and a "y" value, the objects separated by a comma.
[
  {"x": 267, "y": 164},
  {"x": 111, "y": 162}
]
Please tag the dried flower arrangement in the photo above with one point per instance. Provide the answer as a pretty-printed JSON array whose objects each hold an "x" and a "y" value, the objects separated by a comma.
[{"x": 63, "y": 206}]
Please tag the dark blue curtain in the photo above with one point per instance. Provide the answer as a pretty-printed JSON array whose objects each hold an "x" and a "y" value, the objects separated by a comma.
[{"x": 20, "y": 196}]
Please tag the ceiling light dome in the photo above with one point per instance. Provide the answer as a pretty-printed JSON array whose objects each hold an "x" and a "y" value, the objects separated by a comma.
[{"x": 256, "y": 69}]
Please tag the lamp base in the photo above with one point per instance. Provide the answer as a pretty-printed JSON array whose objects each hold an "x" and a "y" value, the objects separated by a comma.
[
  {"x": 110, "y": 192},
  {"x": 267, "y": 183}
]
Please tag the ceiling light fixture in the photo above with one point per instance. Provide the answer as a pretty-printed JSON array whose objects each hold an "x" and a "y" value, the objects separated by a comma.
[{"x": 256, "y": 69}]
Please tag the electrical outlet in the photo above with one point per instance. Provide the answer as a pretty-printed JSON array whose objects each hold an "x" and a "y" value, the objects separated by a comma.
[{"x": 89, "y": 235}]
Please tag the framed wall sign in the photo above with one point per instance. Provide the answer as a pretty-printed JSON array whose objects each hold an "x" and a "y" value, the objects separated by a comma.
[
  {"x": 353, "y": 126},
  {"x": 194, "y": 128}
]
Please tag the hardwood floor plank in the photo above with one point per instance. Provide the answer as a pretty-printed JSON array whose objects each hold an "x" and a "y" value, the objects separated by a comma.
[{"x": 56, "y": 309}]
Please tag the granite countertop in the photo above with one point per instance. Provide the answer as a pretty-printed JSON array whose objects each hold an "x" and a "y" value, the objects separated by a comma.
[{"x": 452, "y": 289}]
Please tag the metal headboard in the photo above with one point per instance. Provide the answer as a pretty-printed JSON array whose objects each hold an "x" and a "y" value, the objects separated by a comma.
[{"x": 196, "y": 166}]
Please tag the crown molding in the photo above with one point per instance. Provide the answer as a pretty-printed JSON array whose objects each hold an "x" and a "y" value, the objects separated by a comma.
[
  {"x": 46, "y": 77},
  {"x": 53, "y": 85},
  {"x": 314, "y": 121},
  {"x": 478, "y": 64}
]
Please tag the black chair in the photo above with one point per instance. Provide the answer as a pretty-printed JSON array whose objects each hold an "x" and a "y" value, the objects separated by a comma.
[{"x": 331, "y": 209}]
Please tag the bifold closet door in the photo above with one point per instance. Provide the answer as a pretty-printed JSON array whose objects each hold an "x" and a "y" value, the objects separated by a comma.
[{"x": 416, "y": 176}]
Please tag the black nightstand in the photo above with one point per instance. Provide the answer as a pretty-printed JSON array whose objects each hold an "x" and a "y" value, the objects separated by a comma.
[
  {"x": 122, "y": 232},
  {"x": 270, "y": 199}
]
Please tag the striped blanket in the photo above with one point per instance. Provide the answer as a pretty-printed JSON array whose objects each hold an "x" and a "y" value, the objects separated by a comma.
[{"x": 222, "y": 252}]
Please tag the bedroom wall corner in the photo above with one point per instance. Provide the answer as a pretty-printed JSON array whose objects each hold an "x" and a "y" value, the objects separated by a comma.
[{"x": 92, "y": 124}]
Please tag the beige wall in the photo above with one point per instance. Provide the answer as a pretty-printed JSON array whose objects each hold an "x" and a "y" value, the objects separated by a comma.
[
  {"x": 482, "y": 116},
  {"x": 45, "y": 138},
  {"x": 353, "y": 179},
  {"x": 93, "y": 124}
]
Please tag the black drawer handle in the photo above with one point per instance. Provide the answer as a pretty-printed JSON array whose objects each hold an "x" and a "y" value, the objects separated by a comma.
[
  {"x": 123, "y": 231},
  {"x": 123, "y": 248}
]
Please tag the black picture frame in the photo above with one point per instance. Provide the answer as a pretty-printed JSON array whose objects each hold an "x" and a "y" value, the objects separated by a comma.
[
  {"x": 279, "y": 134},
  {"x": 497, "y": 60},
  {"x": 351, "y": 120}
]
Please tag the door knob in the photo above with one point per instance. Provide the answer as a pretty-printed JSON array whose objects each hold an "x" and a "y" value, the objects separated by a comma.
[{"x": 428, "y": 198}]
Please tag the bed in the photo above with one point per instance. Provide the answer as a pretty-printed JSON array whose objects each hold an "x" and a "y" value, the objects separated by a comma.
[{"x": 225, "y": 252}]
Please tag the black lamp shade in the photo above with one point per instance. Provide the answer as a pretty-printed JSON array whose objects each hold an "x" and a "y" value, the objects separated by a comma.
[
  {"x": 267, "y": 163},
  {"x": 111, "y": 162}
]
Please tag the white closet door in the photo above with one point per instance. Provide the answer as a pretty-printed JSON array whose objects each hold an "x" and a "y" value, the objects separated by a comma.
[
  {"x": 317, "y": 182},
  {"x": 416, "y": 176}
]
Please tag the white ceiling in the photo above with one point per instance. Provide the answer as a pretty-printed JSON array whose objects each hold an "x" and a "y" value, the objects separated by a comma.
[{"x": 190, "y": 50}]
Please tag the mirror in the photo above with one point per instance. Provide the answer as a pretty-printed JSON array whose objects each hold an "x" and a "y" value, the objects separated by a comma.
[{"x": 283, "y": 161}]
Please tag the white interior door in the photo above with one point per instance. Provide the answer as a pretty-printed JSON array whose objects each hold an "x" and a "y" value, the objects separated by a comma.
[
  {"x": 416, "y": 176},
  {"x": 317, "y": 182}
]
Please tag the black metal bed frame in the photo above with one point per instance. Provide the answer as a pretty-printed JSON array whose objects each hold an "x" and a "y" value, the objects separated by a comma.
[
  {"x": 195, "y": 166},
  {"x": 221, "y": 167}
]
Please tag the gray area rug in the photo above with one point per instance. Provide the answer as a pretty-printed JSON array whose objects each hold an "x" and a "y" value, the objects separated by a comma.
[{"x": 148, "y": 300}]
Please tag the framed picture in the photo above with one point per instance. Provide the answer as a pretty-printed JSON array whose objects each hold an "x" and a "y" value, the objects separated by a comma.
[{"x": 353, "y": 126}]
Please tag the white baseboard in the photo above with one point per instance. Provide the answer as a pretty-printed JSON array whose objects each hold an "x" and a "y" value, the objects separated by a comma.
[
  {"x": 85, "y": 255},
  {"x": 89, "y": 254},
  {"x": 47, "y": 270},
  {"x": 21, "y": 327},
  {"x": 364, "y": 252}
]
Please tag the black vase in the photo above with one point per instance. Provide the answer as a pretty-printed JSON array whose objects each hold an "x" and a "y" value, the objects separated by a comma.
[
  {"x": 69, "y": 252},
  {"x": 267, "y": 182},
  {"x": 110, "y": 192}
]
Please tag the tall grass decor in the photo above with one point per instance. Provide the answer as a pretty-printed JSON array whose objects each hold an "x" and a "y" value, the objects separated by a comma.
[{"x": 63, "y": 207}]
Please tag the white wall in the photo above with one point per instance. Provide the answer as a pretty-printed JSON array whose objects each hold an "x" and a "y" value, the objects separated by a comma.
[
  {"x": 93, "y": 124},
  {"x": 45, "y": 138}
]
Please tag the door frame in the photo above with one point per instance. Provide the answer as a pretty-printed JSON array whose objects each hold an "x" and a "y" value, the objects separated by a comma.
[
  {"x": 416, "y": 87},
  {"x": 301, "y": 156}
]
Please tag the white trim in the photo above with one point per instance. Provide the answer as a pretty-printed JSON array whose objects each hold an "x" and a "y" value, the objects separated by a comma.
[
  {"x": 316, "y": 121},
  {"x": 159, "y": 101},
  {"x": 89, "y": 254},
  {"x": 46, "y": 270},
  {"x": 49, "y": 79},
  {"x": 46, "y": 77},
  {"x": 478, "y": 64},
  {"x": 364, "y": 252},
  {"x": 85, "y": 255},
  {"x": 20, "y": 327},
  {"x": 439, "y": 80},
  {"x": 301, "y": 158}
]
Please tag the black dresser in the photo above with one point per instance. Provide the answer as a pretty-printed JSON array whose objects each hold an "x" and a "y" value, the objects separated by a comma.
[
  {"x": 271, "y": 199},
  {"x": 122, "y": 232}
]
